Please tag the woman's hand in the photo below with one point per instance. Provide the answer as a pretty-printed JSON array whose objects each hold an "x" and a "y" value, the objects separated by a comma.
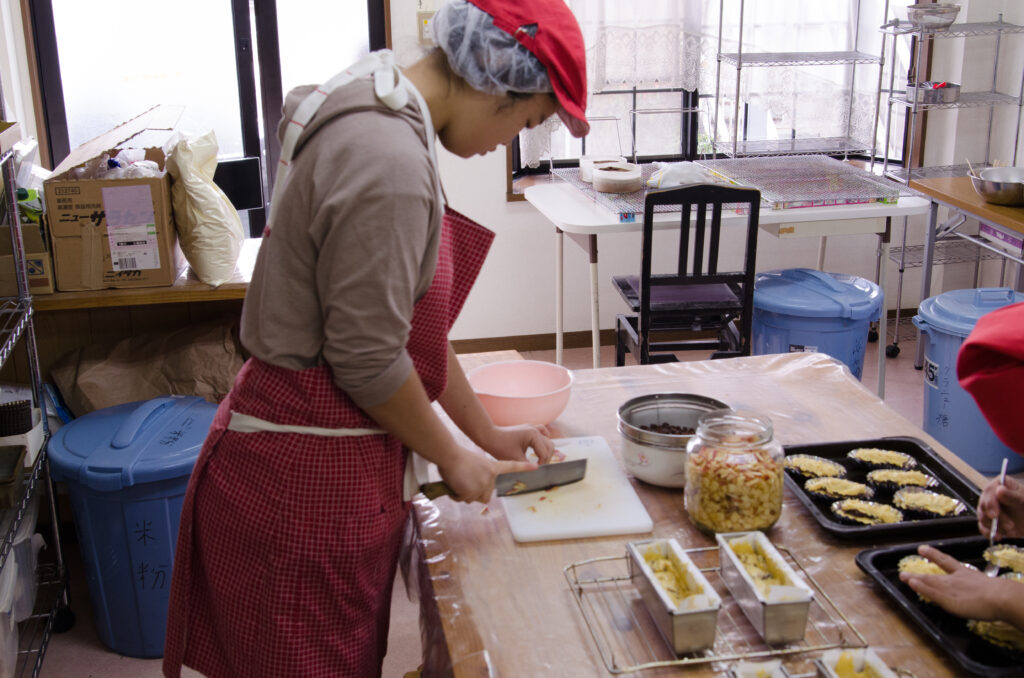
[
  {"x": 964, "y": 592},
  {"x": 511, "y": 442},
  {"x": 1007, "y": 502},
  {"x": 472, "y": 473}
]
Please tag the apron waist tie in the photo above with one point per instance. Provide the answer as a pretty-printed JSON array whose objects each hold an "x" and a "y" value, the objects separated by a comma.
[{"x": 416, "y": 467}]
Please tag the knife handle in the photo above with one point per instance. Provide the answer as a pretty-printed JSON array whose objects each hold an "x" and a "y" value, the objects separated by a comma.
[{"x": 434, "y": 490}]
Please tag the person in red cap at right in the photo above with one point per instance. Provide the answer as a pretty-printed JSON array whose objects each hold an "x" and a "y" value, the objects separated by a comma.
[
  {"x": 990, "y": 366},
  {"x": 292, "y": 522}
]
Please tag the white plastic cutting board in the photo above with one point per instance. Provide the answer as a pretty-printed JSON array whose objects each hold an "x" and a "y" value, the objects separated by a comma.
[{"x": 603, "y": 503}]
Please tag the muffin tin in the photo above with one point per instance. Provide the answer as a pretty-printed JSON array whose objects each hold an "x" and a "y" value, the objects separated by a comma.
[
  {"x": 948, "y": 482},
  {"x": 946, "y": 631}
]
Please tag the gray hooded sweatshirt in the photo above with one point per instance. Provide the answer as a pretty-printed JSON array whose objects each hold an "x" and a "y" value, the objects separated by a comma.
[{"x": 353, "y": 248}]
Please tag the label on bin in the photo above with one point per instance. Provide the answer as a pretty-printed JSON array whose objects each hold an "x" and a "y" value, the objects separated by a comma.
[
  {"x": 131, "y": 228},
  {"x": 801, "y": 348},
  {"x": 931, "y": 373}
]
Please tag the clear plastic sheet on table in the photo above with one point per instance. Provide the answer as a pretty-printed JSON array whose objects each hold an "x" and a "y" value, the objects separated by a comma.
[
  {"x": 793, "y": 181},
  {"x": 482, "y": 593},
  {"x": 629, "y": 206},
  {"x": 628, "y": 640}
]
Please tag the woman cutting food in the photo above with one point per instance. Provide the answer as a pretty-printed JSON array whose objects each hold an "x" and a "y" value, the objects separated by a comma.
[{"x": 292, "y": 520}]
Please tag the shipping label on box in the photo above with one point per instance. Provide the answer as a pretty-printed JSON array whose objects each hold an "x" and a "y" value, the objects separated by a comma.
[{"x": 131, "y": 227}]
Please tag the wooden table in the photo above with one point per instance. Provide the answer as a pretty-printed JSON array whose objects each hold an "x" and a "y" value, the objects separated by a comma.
[
  {"x": 957, "y": 193},
  {"x": 498, "y": 608}
]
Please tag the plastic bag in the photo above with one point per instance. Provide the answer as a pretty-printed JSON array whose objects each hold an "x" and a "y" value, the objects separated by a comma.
[
  {"x": 209, "y": 229},
  {"x": 678, "y": 174}
]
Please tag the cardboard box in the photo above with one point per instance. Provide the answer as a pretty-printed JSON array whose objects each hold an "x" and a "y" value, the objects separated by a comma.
[
  {"x": 1011, "y": 241},
  {"x": 10, "y": 134},
  {"x": 37, "y": 262},
  {"x": 115, "y": 232}
]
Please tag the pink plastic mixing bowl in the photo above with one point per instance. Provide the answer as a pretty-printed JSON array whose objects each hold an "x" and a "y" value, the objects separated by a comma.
[{"x": 522, "y": 391}]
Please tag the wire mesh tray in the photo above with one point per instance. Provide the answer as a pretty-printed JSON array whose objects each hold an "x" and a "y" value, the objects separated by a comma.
[
  {"x": 789, "y": 182},
  {"x": 628, "y": 640},
  {"x": 629, "y": 206}
]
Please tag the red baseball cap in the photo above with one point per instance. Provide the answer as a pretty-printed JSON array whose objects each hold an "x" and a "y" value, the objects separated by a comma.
[{"x": 548, "y": 29}]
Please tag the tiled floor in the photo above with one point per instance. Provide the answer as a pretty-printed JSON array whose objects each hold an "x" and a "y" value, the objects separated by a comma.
[{"x": 79, "y": 653}]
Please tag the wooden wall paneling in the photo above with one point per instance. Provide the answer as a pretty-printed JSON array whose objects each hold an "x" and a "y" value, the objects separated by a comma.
[
  {"x": 158, "y": 318},
  {"x": 58, "y": 332}
]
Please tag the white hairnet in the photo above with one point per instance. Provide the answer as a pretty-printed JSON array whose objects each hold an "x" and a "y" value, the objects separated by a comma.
[{"x": 485, "y": 56}]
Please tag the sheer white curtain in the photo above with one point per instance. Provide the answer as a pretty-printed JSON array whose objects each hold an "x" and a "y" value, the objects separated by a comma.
[
  {"x": 656, "y": 44},
  {"x": 666, "y": 44}
]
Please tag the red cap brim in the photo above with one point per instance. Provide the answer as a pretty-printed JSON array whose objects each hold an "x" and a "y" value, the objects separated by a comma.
[{"x": 577, "y": 126}]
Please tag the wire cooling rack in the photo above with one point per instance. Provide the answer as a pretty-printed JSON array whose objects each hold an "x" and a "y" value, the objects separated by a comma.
[
  {"x": 629, "y": 206},
  {"x": 788, "y": 182},
  {"x": 629, "y": 641}
]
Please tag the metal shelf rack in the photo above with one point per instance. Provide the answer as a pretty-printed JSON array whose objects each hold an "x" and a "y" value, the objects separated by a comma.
[
  {"x": 751, "y": 59},
  {"x": 842, "y": 144},
  {"x": 952, "y": 249},
  {"x": 16, "y": 326}
]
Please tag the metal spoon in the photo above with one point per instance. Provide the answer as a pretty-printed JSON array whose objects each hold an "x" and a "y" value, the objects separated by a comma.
[{"x": 992, "y": 569}]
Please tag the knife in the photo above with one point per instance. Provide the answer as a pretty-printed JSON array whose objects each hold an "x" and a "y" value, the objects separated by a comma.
[{"x": 506, "y": 484}]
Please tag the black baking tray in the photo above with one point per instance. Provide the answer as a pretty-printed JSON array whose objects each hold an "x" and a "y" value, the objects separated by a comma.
[
  {"x": 946, "y": 630},
  {"x": 951, "y": 482}
]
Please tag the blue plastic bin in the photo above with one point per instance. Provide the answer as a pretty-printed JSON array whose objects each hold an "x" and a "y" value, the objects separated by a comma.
[
  {"x": 801, "y": 309},
  {"x": 950, "y": 414},
  {"x": 126, "y": 469}
]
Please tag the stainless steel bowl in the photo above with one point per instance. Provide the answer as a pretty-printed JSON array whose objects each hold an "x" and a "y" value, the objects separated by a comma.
[
  {"x": 923, "y": 93},
  {"x": 998, "y": 192},
  {"x": 654, "y": 457},
  {"x": 933, "y": 16}
]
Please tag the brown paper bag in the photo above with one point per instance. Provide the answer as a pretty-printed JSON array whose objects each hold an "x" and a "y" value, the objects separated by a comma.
[{"x": 199, "y": 360}]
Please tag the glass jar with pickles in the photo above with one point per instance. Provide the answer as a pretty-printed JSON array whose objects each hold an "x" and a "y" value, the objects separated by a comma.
[{"x": 734, "y": 473}]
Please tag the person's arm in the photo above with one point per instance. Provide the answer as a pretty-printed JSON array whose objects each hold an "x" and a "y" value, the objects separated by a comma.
[
  {"x": 1005, "y": 501},
  {"x": 968, "y": 593},
  {"x": 409, "y": 416},
  {"x": 466, "y": 411}
]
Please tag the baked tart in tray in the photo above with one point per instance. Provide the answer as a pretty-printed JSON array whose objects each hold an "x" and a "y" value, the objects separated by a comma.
[
  {"x": 891, "y": 479},
  {"x": 876, "y": 458},
  {"x": 809, "y": 466},
  {"x": 837, "y": 488},
  {"x": 861, "y": 512},
  {"x": 918, "y": 502}
]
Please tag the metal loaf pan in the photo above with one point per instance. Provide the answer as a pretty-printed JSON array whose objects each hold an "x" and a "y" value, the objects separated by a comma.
[
  {"x": 684, "y": 628},
  {"x": 945, "y": 630},
  {"x": 779, "y": 618},
  {"x": 951, "y": 482}
]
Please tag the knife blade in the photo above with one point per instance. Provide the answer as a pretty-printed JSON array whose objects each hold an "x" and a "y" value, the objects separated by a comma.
[{"x": 521, "y": 482}]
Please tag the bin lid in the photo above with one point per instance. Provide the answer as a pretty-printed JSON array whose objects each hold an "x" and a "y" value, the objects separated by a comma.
[
  {"x": 807, "y": 293},
  {"x": 131, "y": 444},
  {"x": 957, "y": 311}
]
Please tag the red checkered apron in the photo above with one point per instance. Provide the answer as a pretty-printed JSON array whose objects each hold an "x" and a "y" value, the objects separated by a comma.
[{"x": 288, "y": 542}]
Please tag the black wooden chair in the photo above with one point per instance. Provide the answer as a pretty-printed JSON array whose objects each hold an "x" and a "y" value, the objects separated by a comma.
[{"x": 696, "y": 300}]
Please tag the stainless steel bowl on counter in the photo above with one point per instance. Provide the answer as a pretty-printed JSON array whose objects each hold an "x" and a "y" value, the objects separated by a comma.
[
  {"x": 655, "y": 431},
  {"x": 1000, "y": 185},
  {"x": 933, "y": 16},
  {"x": 927, "y": 93}
]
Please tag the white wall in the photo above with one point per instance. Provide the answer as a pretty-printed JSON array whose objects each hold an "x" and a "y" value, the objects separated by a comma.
[{"x": 514, "y": 295}]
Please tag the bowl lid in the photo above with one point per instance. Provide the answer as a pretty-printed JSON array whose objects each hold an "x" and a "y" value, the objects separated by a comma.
[
  {"x": 131, "y": 444},
  {"x": 957, "y": 311},
  {"x": 807, "y": 293}
]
